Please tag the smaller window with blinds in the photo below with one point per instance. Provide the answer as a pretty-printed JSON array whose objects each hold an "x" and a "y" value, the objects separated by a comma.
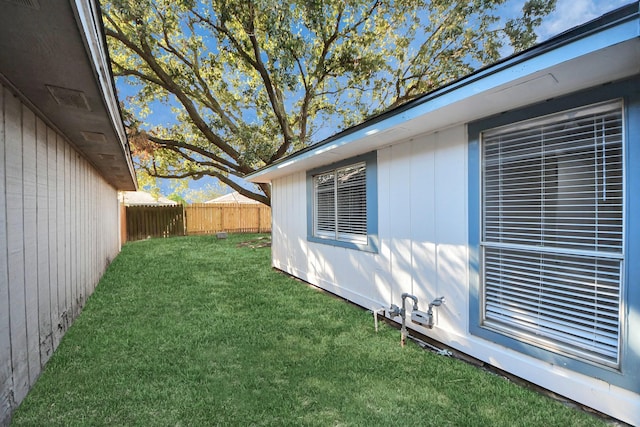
[
  {"x": 340, "y": 204},
  {"x": 552, "y": 231}
]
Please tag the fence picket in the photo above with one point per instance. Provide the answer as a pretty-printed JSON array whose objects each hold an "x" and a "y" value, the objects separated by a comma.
[{"x": 208, "y": 218}]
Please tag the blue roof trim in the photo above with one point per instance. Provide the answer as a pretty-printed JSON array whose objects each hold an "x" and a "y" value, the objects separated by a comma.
[{"x": 612, "y": 28}]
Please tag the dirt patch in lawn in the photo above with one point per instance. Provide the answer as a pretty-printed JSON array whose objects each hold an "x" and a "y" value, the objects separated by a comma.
[{"x": 260, "y": 242}]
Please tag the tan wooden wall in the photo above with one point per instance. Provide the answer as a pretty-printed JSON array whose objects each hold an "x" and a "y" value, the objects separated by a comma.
[
  {"x": 61, "y": 232},
  {"x": 208, "y": 218},
  {"x": 141, "y": 222}
]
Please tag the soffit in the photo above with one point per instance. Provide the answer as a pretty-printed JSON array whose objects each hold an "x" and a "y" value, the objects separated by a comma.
[{"x": 45, "y": 56}]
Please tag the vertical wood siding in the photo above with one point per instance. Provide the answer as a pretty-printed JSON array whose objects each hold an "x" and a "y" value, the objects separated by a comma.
[
  {"x": 15, "y": 245},
  {"x": 59, "y": 230},
  {"x": 422, "y": 232},
  {"x": 6, "y": 377}
]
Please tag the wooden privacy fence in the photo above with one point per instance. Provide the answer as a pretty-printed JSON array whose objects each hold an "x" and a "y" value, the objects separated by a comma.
[
  {"x": 154, "y": 221},
  {"x": 207, "y": 218},
  {"x": 202, "y": 218}
]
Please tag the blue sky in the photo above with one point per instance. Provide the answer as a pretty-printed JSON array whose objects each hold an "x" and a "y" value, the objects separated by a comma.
[{"x": 568, "y": 14}]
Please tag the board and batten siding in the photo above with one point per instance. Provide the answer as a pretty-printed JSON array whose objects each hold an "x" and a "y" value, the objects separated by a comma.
[
  {"x": 421, "y": 227},
  {"x": 59, "y": 230},
  {"x": 422, "y": 187}
]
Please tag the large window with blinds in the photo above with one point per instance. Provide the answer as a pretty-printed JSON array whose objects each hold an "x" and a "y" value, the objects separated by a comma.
[
  {"x": 552, "y": 228},
  {"x": 340, "y": 204}
]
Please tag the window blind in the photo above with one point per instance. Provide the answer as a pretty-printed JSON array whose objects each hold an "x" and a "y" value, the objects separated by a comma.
[
  {"x": 325, "y": 207},
  {"x": 552, "y": 230},
  {"x": 352, "y": 202},
  {"x": 340, "y": 203}
]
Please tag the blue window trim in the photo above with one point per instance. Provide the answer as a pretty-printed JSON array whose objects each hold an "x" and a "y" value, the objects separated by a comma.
[
  {"x": 371, "y": 161},
  {"x": 627, "y": 375}
]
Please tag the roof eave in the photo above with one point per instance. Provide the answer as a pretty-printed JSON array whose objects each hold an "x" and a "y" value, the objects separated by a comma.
[
  {"x": 53, "y": 56},
  {"x": 89, "y": 18},
  {"x": 516, "y": 74}
]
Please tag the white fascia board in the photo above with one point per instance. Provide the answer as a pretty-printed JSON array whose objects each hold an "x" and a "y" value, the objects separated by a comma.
[
  {"x": 490, "y": 79},
  {"x": 89, "y": 19}
]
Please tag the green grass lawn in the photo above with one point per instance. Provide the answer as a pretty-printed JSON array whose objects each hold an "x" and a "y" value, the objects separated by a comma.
[{"x": 197, "y": 331}]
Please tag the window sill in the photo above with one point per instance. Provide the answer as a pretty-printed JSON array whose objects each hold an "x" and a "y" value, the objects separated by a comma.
[{"x": 371, "y": 246}]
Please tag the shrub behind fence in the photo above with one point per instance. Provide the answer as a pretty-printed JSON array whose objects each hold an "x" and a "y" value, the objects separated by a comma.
[{"x": 202, "y": 218}]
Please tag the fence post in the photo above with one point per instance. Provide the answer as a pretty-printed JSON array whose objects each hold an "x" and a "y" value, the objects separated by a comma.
[{"x": 123, "y": 224}]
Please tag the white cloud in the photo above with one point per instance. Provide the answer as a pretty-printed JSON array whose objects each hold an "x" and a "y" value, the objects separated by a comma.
[{"x": 570, "y": 13}]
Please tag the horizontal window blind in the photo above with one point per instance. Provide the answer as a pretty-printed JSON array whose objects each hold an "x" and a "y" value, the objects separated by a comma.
[
  {"x": 352, "y": 202},
  {"x": 340, "y": 204},
  {"x": 558, "y": 299},
  {"x": 552, "y": 234},
  {"x": 325, "y": 207}
]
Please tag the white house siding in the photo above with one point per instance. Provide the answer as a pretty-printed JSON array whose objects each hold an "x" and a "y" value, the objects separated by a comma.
[
  {"x": 423, "y": 250},
  {"x": 426, "y": 245},
  {"x": 61, "y": 232},
  {"x": 289, "y": 232},
  {"x": 422, "y": 229}
]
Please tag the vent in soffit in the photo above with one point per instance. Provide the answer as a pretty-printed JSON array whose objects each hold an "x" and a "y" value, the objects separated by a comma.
[
  {"x": 33, "y": 4},
  {"x": 110, "y": 157},
  {"x": 94, "y": 137},
  {"x": 69, "y": 97}
]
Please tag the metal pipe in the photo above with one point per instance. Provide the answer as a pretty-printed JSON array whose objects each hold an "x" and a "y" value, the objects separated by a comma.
[
  {"x": 375, "y": 316},
  {"x": 403, "y": 313},
  {"x": 435, "y": 303},
  {"x": 419, "y": 317},
  {"x": 413, "y": 297}
]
